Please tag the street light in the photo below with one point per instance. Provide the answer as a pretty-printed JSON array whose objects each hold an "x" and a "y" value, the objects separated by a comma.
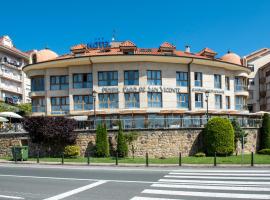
[
  {"x": 207, "y": 96},
  {"x": 94, "y": 93}
]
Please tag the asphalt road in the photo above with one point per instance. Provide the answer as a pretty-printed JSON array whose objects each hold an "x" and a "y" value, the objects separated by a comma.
[{"x": 125, "y": 183}]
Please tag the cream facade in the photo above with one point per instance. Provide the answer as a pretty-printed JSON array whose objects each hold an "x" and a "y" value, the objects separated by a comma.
[
  {"x": 228, "y": 96},
  {"x": 14, "y": 84}
]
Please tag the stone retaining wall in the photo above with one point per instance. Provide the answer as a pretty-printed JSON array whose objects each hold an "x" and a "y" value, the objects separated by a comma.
[{"x": 158, "y": 143}]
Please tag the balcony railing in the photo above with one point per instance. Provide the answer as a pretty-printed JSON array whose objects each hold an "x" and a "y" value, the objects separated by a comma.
[
  {"x": 160, "y": 123},
  {"x": 239, "y": 88}
]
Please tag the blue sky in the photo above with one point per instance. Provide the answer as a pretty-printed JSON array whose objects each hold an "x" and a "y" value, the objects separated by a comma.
[{"x": 239, "y": 25}]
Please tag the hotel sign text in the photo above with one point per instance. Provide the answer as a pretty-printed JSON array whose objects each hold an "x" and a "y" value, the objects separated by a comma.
[{"x": 140, "y": 89}]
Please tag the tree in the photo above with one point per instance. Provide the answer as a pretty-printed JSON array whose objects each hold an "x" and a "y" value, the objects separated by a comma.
[
  {"x": 265, "y": 132},
  {"x": 122, "y": 147},
  {"x": 130, "y": 138},
  {"x": 25, "y": 108},
  {"x": 51, "y": 131},
  {"x": 239, "y": 133},
  {"x": 218, "y": 137},
  {"x": 102, "y": 142}
]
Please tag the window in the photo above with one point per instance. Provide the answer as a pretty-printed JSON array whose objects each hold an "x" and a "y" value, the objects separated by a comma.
[
  {"x": 267, "y": 73},
  {"x": 198, "y": 100},
  {"x": 251, "y": 67},
  {"x": 240, "y": 84},
  {"x": 154, "y": 77},
  {"x": 217, "y": 81},
  {"x": 227, "y": 82},
  {"x": 38, "y": 104},
  {"x": 182, "y": 100},
  {"x": 108, "y": 78},
  {"x": 82, "y": 80},
  {"x": 59, "y": 82},
  {"x": 228, "y": 102},
  {"x": 60, "y": 104},
  {"x": 218, "y": 101},
  {"x": 83, "y": 102},
  {"x": 198, "y": 79},
  {"x": 37, "y": 84},
  {"x": 251, "y": 81},
  {"x": 182, "y": 79},
  {"x": 154, "y": 99},
  {"x": 240, "y": 103},
  {"x": 108, "y": 100},
  {"x": 132, "y": 100},
  {"x": 250, "y": 93},
  {"x": 131, "y": 77}
]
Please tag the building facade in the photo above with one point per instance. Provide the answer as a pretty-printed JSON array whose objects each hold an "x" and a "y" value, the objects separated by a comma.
[
  {"x": 14, "y": 85},
  {"x": 257, "y": 85},
  {"x": 130, "y": 82}
]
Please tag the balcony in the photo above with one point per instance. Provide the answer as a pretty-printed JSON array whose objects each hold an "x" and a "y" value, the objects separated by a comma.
[
  {"x": 11, "y": 77},
  {"x": 240, "y": 88}
]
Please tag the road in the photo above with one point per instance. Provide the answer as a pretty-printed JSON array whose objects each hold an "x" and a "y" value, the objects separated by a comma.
[{"x": 32, "y": 182}]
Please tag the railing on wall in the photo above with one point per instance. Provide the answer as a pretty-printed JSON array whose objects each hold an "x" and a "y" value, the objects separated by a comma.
[{"x": 159, "y": 123}]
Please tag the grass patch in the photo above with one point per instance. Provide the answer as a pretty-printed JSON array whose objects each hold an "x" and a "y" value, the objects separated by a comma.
[{"x": 258, "y": 159}]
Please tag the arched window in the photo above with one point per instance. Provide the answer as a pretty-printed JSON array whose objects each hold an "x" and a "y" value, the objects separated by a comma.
[{"x": 34, "y": 58}]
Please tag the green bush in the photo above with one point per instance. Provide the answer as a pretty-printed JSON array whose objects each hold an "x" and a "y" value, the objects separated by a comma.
[
  {"x": 72, "y": 151},
  {"x": 239, "y": 133},
  {"x": 200, "y": 154},
  {"x": 265, "y": 132},
  {"x": 264, "y": 151},
  {"x": 102, "y": 142},
  {"x": 122, "y": 147},
  {"x": 218, "y": 137}
]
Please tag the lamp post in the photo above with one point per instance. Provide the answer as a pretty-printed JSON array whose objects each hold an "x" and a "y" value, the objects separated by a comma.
[
  {"x": 207, "y": 96},
  {"x": 94, "y": 93}
]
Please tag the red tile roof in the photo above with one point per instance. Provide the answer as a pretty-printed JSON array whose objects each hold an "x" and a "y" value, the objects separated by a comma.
[
  {"x": 127, "y": 43},
  {"x": 208, "y": 50},
  {"x": 78, "y": 46},
  {"x": 167, "y": 45}
]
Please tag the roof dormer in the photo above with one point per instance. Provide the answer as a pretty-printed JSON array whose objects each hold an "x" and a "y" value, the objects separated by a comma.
[
  {"x": 167, "y": 47},
  {"x": 128, "y": 47},
  {"x": 207, "y": 53},
  {"x": 77, "y": 49}
]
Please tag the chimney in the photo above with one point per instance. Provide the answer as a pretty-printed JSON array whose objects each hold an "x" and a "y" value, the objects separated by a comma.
[{"x": 187, "y": 49}]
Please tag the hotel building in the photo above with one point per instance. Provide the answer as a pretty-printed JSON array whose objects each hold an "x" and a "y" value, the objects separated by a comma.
[
  {"x": 124, "y": 81},
  {"x": 14, "y": 85}
]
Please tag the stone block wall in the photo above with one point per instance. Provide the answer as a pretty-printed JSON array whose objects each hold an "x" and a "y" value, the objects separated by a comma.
[{"x": 158, "y": 143}]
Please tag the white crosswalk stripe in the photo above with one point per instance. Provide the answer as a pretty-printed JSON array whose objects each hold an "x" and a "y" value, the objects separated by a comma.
[{"x": 201, "y": 183}]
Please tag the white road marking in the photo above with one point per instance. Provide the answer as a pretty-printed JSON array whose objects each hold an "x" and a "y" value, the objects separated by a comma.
[
  {"x": 10, "y": 197},
  {"x": 221, "y": 171},
  {"x": 208, "y": 194},
  {"x": 76, "y": 179},
  {"x": 76, "y": 191},
  {"x": 219, "y": 177},
  {"x": 212, "y": 187},
  {"x": 217, "y": 174},
  {"x": 150, "y": 198},
  {"x": 223, "y": 182}
]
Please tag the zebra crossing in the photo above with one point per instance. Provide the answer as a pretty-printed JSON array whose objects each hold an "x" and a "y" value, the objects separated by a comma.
[{"x": 191, "y": 184}]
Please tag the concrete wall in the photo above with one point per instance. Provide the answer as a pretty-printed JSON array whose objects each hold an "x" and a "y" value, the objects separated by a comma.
[{"x": 158, "y": 143}]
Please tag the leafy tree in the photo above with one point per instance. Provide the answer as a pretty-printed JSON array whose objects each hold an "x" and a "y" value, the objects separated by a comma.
[
  {"x": 265, "y": 132},
  {"x": 218, "y": 137},
  {"x": 51, "y": 131},
  {"x": 239, "y": 133},
  {"x": 4, "y": 107},
  {"x": 24, "y": 109},
  {"x": 102, "y": 142},
  {"x": 130, "y": 138},
  {"x": 122, "y": 147}
]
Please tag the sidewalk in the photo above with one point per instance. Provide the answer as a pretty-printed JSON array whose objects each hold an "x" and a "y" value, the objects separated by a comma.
[{"x": 131, "y": 164}]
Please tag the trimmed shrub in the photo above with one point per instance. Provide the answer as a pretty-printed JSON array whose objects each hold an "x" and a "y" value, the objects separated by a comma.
[
  {"x": 239, "y": 133},
  {"x": 218, "y": 137},
  {"x": 122, "y": 147},
  {"x": 265, "y": 132},
  {"x": 102, "y": 142},
  {"x": 72, "y": 151},
  {"x": 264, "y": 151},
  {"x": 200, "y": 154}
]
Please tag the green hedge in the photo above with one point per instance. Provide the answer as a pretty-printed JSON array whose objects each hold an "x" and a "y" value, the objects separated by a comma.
[
  {"x": 102, "y": 142},
  {"x": 265, "y": 132},
  {"x": 218, "y": 137},
  {"x": 72, "y": 151},
  {"x": 264, "y": 151}
]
